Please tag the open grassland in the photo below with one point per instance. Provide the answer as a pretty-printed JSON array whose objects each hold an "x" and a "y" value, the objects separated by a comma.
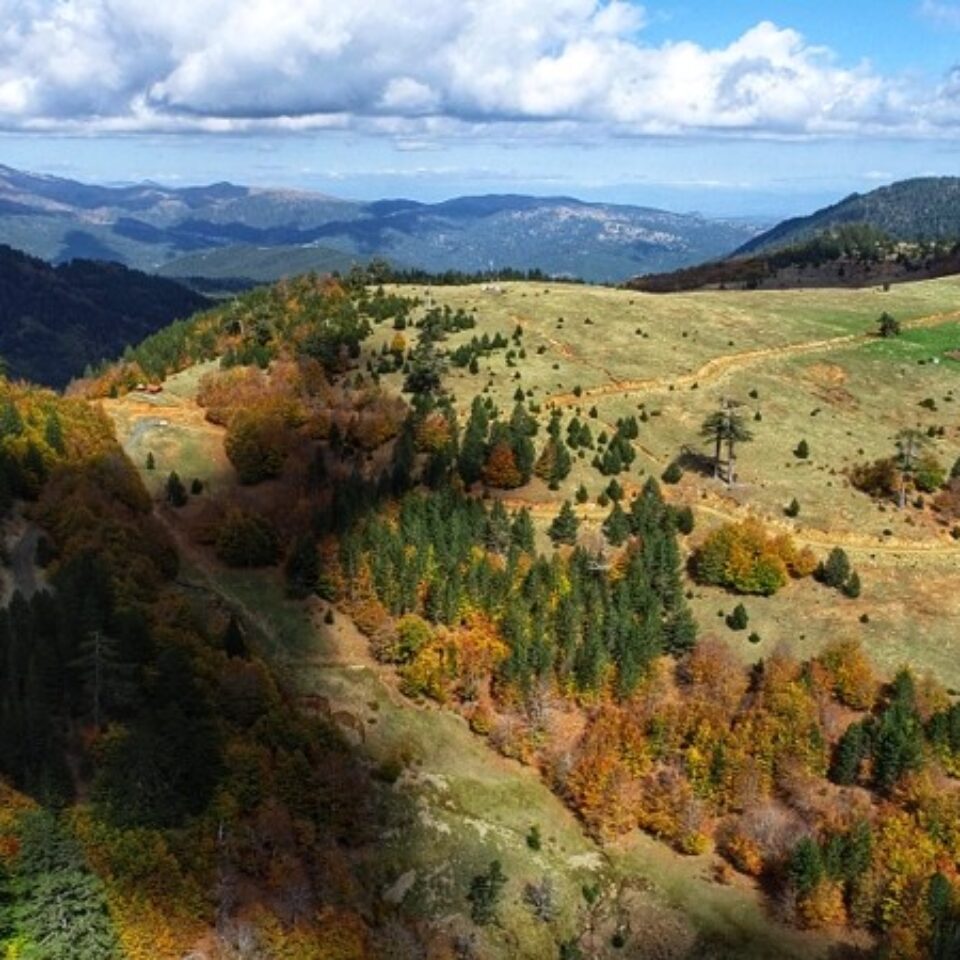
[{"x": 810, "y": 364}]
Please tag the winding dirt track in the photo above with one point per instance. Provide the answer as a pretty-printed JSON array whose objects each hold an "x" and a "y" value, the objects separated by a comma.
[
  {"x": 715, "y": 369},
  {"x": 719, "y": 366}
]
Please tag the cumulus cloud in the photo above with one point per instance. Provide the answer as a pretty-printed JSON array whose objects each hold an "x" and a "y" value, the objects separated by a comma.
[{"x": 417, "y": 68}]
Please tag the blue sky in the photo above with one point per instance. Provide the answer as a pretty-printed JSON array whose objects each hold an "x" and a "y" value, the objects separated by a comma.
[{"x": 740, "y": 107}]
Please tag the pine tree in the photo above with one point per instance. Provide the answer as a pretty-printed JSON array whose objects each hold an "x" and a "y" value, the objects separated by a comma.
[
  {"x": 564, "y": 527},
  {"x": 888, "y": 326},
  {"x": 11, "y": 423},
  {"x": 473, "y": 449},
  {"x": 616, "y": 528},
  {"x": 852, "y": 749},
  {"x": 151, "y": 461},
  {"x": 497, "y": 533},
  {"x": 53, "y": 433},
  {"x": 105, "y": 680},
  {"x": 851, "y": 588},
  {"x": 739, "y": 619},
  {"x": 485, "y": 891},
  {"x": 302, "y": 568},
  {"x": 176, "y": 491},
  {"x": 234, "y": 643},
  {"x": 806, "y": 866},
  {"x": 522, "y": 532},
  {"x": 802, "y": 450},
  {"x": 835, "y": 571}
]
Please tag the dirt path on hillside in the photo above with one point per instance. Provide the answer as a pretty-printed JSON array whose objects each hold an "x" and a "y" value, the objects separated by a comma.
[
  {"x": 804, "y": 536},
  {"x": 719, "y": 366}
]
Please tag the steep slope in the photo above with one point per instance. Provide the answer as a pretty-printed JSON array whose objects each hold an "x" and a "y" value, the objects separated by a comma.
[
  {"x": 150, "y": 227},
  {"x": 56, "y": 320},
  {"x": 925, "y": 208}
]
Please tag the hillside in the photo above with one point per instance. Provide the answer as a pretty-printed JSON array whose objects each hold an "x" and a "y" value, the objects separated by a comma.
[
  {"x": 925, "y": 208},
  {"x": 496, "y": 519},
  {"x": 850, "y": 256},
  {"x": 259, "y": 264},
  {"x": 54, "y": 321},
  {"x": 149, "y": 227}
]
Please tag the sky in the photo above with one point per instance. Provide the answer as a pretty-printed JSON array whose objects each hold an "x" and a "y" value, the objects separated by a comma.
[{"x": 736, "y": 107}]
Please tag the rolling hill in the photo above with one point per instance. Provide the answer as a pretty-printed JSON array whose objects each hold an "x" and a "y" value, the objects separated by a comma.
[
  {"x": 924, "y": 208},
  {"x": 56, "y": 320},
  {"x": 150, "y": 227}
]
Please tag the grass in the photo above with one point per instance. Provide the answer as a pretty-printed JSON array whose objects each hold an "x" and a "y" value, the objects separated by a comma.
[{"x": 847, "y": 399}]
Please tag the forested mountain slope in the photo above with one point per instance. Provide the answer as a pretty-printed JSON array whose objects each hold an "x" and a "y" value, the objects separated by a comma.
[{"x": 54, "y": 321}]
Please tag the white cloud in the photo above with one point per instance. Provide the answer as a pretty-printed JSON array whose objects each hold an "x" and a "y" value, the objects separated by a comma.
[
  {"x": 941, "y": 11},
  {"x": 422, "y": 68}
]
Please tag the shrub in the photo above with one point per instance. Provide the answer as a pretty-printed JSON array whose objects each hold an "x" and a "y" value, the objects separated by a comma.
[
  {"x": 745, "y": 558},
  {"x": 793, "y": 508},
  {"x": 683, "y": 519},
  {"x": 878, "y": 479},
  {"x": 852, "y": 586},
  {"x": 739, "y": 619},
  {"x": 247, "y": 539},
  {"x": 257, "y": 445},
  {"x": 802, "y": 450},
  {"x": 673, "y": 473},
  {"x": 835, "y": 571},
  {"x": 930, "y": 474}
]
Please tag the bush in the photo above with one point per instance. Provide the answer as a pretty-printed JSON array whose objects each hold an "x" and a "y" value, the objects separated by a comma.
[
  {"x": 739, "y": 619},
  {"x": 745, "y": 558},
  {"x": 534, "y": 841},
  {"x": 257, "y": 445},
  {"x": 247, "y": 540},
  {"x": 852, "y": 586},
  {"x": 673, "y": 473},
  {"x": 802, "y": 450},
  {"x": 930, "y": 474},
  {"x": 793, "y": 508},
  {"x": 683, "y": 519},
  {"x": 835, "y": 571},
  {"x": 878, "y": 479}
]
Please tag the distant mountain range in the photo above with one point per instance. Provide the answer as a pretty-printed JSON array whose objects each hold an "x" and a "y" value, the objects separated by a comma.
[
  {"x": 235, "y": 231},
  {"x": 925, "y": 208},
  {"x": 56, "y": 320}
]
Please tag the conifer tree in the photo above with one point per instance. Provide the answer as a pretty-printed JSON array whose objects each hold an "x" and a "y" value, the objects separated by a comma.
[
  {"x": 302, "y": 568},
  {"x": 564, "y": 527},
  {"x": 176, "y": 491}
]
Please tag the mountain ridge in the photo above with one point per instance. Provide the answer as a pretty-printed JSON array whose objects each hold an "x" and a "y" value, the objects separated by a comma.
[
  {"x": 918, "y": 208},
  {"x": 147, "y": 226}
]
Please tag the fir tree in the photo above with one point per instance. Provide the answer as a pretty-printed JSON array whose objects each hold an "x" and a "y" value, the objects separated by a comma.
[
  {"x": 485, "y": 891},
  {"x": 53, "y": 433},
  {"x": 176, "y": 491},
  {"x": 302, "y": 568},
  {"x": 564, "y": 527}
]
